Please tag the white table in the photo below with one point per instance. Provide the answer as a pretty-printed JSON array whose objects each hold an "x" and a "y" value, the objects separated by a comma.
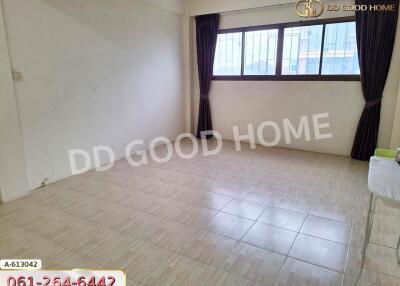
[
  {"x": 384, "y": 178},
  {"x": 384, "y": 184}
]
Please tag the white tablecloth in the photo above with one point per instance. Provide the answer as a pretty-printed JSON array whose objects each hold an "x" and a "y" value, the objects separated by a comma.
[{"x": 384, "y": 177}]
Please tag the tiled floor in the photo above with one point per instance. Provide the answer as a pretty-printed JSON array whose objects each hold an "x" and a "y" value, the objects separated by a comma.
[{"x": 257, "y": 217}]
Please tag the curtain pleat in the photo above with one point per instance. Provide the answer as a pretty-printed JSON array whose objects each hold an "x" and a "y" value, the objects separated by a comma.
[
  {"x": 206, "y": 39},
  {"x": 376, "y": 32}
]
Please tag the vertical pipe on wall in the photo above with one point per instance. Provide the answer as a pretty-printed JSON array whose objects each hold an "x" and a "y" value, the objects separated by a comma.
[
  {"x": 13, "y": 178},
  {"x": 187, "y": 62},
  {"x": 395, "y": 139}
]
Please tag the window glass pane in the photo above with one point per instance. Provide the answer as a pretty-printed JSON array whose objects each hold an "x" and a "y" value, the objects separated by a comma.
[
  {"x": 302, "y": 50},
  {"x": 228, "y": 54},
  {"x": 260, "y": 52},
  {"x": 340, "y": 49}
]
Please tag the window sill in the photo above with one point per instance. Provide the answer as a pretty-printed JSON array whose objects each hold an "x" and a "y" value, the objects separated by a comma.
[{"x": 287, "y": 78}]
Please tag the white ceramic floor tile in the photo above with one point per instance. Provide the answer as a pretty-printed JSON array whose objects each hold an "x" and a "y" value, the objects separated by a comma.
[
  {"x": 270, "y": 237},
  {"x": 319, "y": 252}
]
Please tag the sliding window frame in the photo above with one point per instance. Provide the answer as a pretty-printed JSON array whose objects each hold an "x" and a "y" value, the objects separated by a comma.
[{"x": 278, "y": 73}]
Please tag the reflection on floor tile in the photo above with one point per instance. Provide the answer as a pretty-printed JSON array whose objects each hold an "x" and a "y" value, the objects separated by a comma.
[
  {"x": 319, "y": 252},
  {"x": 229, "y": 225},
  {"x": 214, "y": 201},
  {"x": 270, "y": 237},
  {"x": 283, "y": 218},
  {"x": 245, "y": 209},
  {"x": 326, "y": 229},
  {"x": 342, "y": 213}
]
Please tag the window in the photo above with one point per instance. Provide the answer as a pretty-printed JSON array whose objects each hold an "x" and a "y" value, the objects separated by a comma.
[
  {"x": 340, "y": 49},
  {"x": 260, "y": 52},
  {"x": 302, "y": 50},
  {"x": 308, "y": 50},
  {"x": 228, "y": 54}
]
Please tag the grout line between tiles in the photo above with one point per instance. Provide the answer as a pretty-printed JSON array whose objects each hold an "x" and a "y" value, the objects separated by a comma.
[
  {"x": 287, "y": 254},
  {"x": 348, "y": 247}
]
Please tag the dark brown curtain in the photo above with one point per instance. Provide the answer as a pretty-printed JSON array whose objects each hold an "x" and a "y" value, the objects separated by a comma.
[
  {"x": 376, "y": 32},
  {"x": 206, "y": 36}
]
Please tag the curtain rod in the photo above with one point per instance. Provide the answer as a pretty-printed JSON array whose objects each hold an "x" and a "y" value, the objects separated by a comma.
[
  {"x": 292, "y": 3},
  {"x": 257, "y": 8}
]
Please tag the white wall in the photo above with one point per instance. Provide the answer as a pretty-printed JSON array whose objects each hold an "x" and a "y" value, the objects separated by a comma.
[
  {"x": 96, "y": 72},
  {"x": 187, "y": 48},
  {"x": 176, "y": 6},
  {"x": 13, "y": 180},
  {"x": 395, "y": 142},
  {"x": 199, "y": 7},
  {"x": 243, "y": 102}
]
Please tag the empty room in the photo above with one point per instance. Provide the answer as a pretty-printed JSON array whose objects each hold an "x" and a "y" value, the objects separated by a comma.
[{"x": 199, "y": 142}]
